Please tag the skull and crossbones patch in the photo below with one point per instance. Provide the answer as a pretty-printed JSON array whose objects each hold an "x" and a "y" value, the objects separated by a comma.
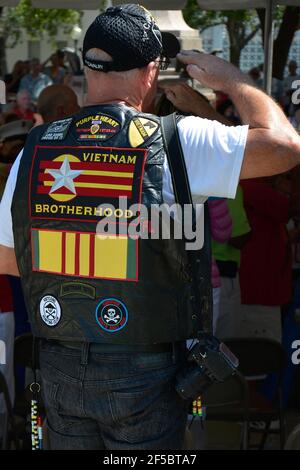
[
  {"x": 111, "y": 315},
  {"x": 50, "y": 310}
]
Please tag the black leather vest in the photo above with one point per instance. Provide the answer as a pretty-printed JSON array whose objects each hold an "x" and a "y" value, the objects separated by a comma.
[{"x": 77, "y": 285}]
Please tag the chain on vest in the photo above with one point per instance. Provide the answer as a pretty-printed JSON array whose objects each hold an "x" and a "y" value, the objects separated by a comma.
[{"x": 80, "y": 175}]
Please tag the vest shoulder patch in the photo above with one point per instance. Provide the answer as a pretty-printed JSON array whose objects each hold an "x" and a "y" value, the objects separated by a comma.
[
  {"x": 57, "y": 130},
  {"x": 140, "y": 130},
  {"x": 98, "y": 127}
]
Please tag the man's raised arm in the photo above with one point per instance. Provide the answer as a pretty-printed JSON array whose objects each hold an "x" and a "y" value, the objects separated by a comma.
[{"x": 273, "y": 145}]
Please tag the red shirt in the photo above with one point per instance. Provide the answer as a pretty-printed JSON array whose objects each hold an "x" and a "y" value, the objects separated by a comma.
[
  {"x": 6, "y": 300},
  {"x": 24, "y": 114},
  {"x": 266, "y": 261}
]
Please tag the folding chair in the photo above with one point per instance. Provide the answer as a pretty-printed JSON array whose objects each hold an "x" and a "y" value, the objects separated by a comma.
[
  {"x": 258, "y": 358},
  {"x": 229, "y": 401},
  {"x": 293, "y": 441}
]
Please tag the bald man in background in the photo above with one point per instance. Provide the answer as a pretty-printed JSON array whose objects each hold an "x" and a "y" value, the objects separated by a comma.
[{"x": 57, "y": 101}]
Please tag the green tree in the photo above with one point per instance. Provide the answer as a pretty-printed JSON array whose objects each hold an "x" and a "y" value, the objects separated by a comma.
[
  {"x": 36, "y": 22},
  {"x": 287, "y": 24},
  {"x": 241, "y": 25}
]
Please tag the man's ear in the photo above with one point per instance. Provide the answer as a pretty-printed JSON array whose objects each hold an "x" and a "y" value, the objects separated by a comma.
[{"x": 149, "y": 74}]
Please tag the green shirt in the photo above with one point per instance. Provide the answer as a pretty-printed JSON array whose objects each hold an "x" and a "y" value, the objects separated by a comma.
[{"x": 240, "y": 226}]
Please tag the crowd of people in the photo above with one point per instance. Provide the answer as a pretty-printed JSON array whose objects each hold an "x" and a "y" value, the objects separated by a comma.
[
  {"x": 283, "y": 90},
  {"x": 255, "y": 236}
]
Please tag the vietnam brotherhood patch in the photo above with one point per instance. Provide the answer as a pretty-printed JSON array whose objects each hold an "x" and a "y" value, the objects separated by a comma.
[
  {"x": 78, "y": 185},
  {"x": 71, "y": 182}
]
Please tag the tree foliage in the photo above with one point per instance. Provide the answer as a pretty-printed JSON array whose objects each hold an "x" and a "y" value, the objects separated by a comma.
[
  {"x": 37, "y": 22},
  {"x": 241, "y": 25},
  {"x": 203, "y": 19}
]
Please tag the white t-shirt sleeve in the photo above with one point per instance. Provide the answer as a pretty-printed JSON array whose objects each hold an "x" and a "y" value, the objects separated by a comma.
[
  {"x": 214, "y": 155},
  {"x": 6, "y": 231}
]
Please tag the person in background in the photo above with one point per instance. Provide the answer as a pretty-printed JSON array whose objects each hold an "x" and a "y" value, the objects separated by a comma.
[
  {"x": 181, "y": 96},
  {"x": 61, "y": 57},
  {"x": 296, "y": 120},
  {"x": 56, "y": 102},
  {"x": 7, "y": 330},
  {"x": 266, "y": 262},
  {"x": 55, "y": 71},
  {"x": 12, "y": 138},
  {"x": 23, "y": 108},
  {"x": 35, "y": 81},
  {"x": 288, "y": 89},
  {"x": 220, "y": 229},
  {"x": 255, "y": 74},
  {"x": 228, "y": 257},
  {"x": 227, "y": 109},
  {"x": 276, "y": 88},
  {"x": 13, "y": 79}
]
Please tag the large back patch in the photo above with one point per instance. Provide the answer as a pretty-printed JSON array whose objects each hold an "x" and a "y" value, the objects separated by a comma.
[{"x": 69, "y": 184}]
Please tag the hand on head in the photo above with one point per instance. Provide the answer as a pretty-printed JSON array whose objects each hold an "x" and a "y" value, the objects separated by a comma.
[{"x": 185, "y": 98}]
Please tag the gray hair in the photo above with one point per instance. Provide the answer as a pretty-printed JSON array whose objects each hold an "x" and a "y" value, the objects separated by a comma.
[{"x": 98, "y": 54}]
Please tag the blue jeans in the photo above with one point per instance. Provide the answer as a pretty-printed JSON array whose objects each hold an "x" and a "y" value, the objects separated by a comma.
[{"x": 96, "y": 400}]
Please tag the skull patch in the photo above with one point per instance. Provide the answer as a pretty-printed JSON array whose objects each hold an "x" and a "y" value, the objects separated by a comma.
[
  {"x": 111, "y": 315},
  {"x": 50, "y": 310}
]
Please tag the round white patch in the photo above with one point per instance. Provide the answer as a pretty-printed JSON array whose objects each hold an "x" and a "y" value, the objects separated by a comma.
[{"x": 50, "y": 310}]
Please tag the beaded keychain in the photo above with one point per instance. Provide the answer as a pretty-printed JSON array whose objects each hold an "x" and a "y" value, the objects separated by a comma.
[
  {"x": 36, "y": 420},
  {"x": 198, "y": 410}
]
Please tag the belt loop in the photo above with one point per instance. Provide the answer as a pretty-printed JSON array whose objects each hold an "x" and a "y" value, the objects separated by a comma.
[{"x": 85, "y": 354}]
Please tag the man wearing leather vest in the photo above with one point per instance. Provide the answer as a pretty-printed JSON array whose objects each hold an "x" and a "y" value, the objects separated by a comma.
[{"x": 112, "y": 312}]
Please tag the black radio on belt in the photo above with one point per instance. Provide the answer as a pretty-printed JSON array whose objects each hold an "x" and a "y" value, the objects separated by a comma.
[{"x": 208, "y": 362}]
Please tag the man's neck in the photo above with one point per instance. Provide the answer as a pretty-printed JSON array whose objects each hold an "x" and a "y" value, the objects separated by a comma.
[{"x": 118, "y": 102}]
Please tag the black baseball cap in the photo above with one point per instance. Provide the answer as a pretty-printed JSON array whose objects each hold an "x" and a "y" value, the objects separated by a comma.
[{"x": 130, "y": 35}]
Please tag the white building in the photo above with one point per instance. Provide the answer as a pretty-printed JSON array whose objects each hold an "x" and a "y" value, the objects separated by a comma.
[{"x": 216, "y": 38}]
